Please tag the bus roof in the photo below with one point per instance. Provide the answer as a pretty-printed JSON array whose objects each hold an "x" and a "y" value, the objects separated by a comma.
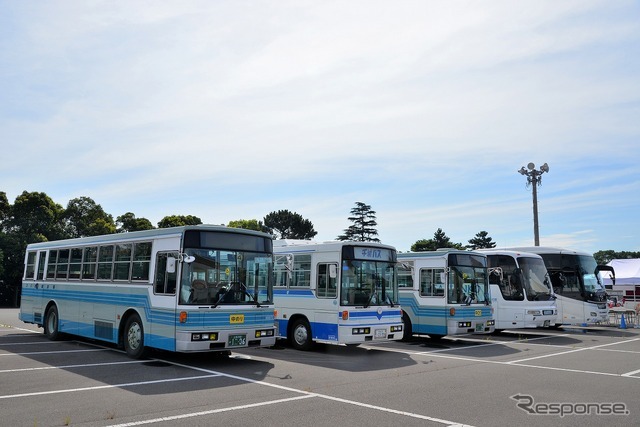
[
  {"x": 284, "y": 245},
  {"x": 509, "y": 252},
  {"x": 548, "y": 250},
  {"x": 141, "y": 235},
  {"x": 436, "y": 254}
]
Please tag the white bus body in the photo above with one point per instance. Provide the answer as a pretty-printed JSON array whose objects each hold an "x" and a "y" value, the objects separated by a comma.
[
  {"x": 444, "y": 292},
  {"x": 577, "y": 284},
  {"x": 336, "y": 292},
  {"x": 521, "y": 292},
  {"x": 183, "y": 289}
]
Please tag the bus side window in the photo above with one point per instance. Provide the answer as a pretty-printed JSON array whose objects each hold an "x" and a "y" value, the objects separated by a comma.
[
  {"x": 426, "y": 282},
  {"x": 327, "y": 281},
  {"x": 165, "y": 281}
]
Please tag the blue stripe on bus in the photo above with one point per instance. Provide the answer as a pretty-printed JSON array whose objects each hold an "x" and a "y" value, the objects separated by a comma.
[
  {"x": 293, "y": 293},
  {"x": 443, "y": 311},
  {"x": 159, "y": 316},
  {"x": 372, "y": 314},
  {"x": 319, "y": 330}
]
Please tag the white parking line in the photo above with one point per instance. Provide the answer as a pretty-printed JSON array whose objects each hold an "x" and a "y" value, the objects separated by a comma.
[
  {"x": 516, "y": 363},
  {"x": 101, "y": 387},
  {"x": 54, "y": 352},
  {"x": 28, "y": 343},
  {"x": 595, "y": 347},
  {"x": 324, "y": 396},
  {"x": 86, "y": 365},
  {"x": 631, "y": 374},
  {"x": 212, "y": 411}
]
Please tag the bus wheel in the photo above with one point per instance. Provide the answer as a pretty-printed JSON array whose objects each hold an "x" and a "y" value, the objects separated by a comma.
[
  {"x": 407, "y": 332},
  {"x": 134, "y": 337},
  {"x": 301, "y": 335},
  {"x": 51, "y": 324}
]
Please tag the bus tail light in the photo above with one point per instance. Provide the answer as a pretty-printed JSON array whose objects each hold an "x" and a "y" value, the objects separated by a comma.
[
  {"x": 345, "y": 315},
  {"x": 183, "y": 317}
]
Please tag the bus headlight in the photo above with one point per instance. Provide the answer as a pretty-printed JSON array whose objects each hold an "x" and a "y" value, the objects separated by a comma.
[
  {"x": 491, "y": 322},
  {"x": 534, "y": 312},
  {"x": 464, "y": 324},
  {"x": 361, "y": 331},
  {"x": 205, "y": 337},
  {"x": 397, "y": 328},
  {"x": 264, "y": 333}
]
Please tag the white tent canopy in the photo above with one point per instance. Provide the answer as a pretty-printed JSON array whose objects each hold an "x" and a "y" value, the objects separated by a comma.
[{"x": 627, "y": 271}]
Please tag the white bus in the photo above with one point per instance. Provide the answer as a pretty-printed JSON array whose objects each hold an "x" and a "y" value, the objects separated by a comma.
[
  {"x": 182, "y": 289},
  {"x": 521, "y": 292},
  {"x": 575, "y": 276},
  {"x": 444, "y": 292},
  {"x": 336, "y": 292}
]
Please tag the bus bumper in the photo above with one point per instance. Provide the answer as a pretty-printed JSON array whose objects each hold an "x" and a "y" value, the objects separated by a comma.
[{"x": 199, "y": 341}]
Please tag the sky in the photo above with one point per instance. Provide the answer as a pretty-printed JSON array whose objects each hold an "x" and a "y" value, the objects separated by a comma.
[{"x": 424, "y": 110}]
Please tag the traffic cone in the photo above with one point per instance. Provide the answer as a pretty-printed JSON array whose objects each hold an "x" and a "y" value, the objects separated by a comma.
[{"x": 623, "y": 323}]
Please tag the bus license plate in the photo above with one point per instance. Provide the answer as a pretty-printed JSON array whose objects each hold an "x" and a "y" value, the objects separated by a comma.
[
  {"x": 237, "y": 340},
  {"x": 381, "y": 333},
  {"x": 479, "y": 327}
]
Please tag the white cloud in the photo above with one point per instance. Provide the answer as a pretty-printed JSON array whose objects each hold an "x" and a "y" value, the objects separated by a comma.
[{"x": 425, "y": 110}]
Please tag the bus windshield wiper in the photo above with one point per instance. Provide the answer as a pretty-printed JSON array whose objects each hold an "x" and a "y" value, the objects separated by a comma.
[
  {"x": 370, "y": 299},
  {"x": 243, "y": 289}
]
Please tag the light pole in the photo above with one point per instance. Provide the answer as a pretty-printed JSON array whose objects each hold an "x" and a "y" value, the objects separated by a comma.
[{"x": 534, "y": 178}]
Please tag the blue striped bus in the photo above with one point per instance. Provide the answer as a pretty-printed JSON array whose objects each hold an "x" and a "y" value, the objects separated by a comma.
[
  {"x": 182, "y": 289},
  {"x": 444, "y": 292},
  {"x": 336, "y": 292}
]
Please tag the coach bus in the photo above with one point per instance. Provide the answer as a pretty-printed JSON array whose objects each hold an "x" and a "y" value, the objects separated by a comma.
[
  {"x": 444, "y": 292},
  {"x": 521, "y": 292},
  {"x": 183, "y": 289},
  {"x": 335, "y": 292},
  {"x": 577, "y": 283}
]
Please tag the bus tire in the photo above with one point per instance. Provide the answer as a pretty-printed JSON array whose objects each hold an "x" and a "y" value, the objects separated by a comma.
[
  {"x": 407, "y": 331},
  {"x": 301, "y": 335},
  {"x": 134, "y": 337},
  {"x": 52, "y": 323}
]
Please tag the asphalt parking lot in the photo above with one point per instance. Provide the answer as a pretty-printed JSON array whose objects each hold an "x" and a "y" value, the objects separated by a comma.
[{"x": 570, "y": 376}]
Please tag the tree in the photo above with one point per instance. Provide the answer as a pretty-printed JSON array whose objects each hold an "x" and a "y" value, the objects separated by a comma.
[
  {"x": 33, "y": 217},
  {"x": 440, "y": 240},
  {"x": 363, "y": 227},
  {"x": 84, "y": 217},
  {"x": 481, "y": 241},
  {"x": 284, "y": 224},
  {"x": 128, "y": 222},
  {"x": 603, "y": 257},
  {"x": 178, "y": 220},
  {"x": 248, "y": 224},
  {"x": 36, "y": 218},
  {"x": 5, "y": 208}
]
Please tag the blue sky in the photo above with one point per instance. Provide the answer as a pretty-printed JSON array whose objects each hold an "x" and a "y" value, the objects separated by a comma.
[{"x": 424, "y": 110}]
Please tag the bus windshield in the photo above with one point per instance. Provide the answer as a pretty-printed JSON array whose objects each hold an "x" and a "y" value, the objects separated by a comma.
[
  {"x": 366, "y": 283},
  {"x": 468, "y": 282},
  {"x": 575, "y": 276},
  {"x": 221, "y": 277},
  {"x": 536, "y": 280}
]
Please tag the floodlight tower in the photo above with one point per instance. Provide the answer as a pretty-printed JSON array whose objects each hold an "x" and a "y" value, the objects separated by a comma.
[{"x": 534, "y": 178}]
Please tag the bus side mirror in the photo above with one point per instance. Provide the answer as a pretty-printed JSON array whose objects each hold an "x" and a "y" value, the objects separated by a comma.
[
  {"x": 171, "y": 265},
  {"x": 333, "y": 271}
]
